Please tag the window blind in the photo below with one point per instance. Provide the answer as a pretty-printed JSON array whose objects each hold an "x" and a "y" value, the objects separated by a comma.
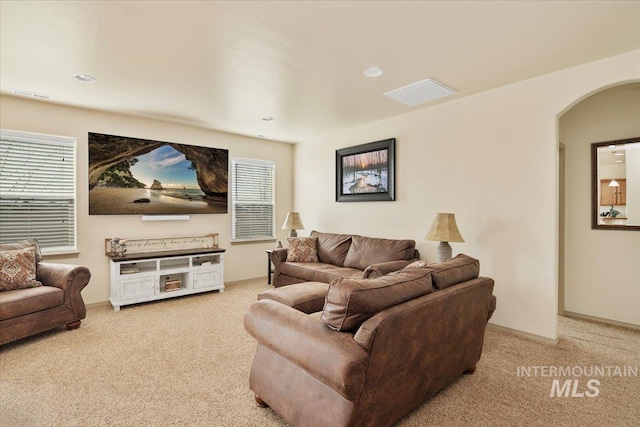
[
  {"x": 252, "y": 199},
  {"x": 38, "y": 190}
]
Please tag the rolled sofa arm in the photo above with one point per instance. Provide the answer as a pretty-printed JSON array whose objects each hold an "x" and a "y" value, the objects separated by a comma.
[
  {"x": 384, "y": 268},
  {"x": 278, "y": 256},
  {"x": 70, "y": 278},
  {"x": 333, "y": 358}
]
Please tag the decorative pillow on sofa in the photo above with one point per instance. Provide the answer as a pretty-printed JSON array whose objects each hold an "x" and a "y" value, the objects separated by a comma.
[
  {"x": 458, "y": 269},
  {"x": 350, "y": 302},
  {"x": 18, "y": 269},
  {"x": 29, "y": 243},
  {"x": 302, "y": 249}
]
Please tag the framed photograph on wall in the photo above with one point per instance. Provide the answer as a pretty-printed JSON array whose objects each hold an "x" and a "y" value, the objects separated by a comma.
[{"x": 366, "y": 173}]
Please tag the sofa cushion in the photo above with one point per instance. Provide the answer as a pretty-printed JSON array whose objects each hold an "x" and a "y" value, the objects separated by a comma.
[
  {"x": 303, "y": 270},
  {"x": 350, "y": 302},
  {"x": 18, "y": 269},
  {"x": 330, "y": 274},
  {"x": 456, "y": 270},
  {"x": 26, "y": 301},
  {"x": 419, "y": 263},
  {"x": 306, "y": 297},
  {"x": 29, "y": 243},
  {"x": 302, "y": 249},
  {"x": 332, "y": 248},
  {"x": 365, "y": 251}
]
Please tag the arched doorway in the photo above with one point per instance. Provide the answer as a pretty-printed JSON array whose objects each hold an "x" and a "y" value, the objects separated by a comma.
[{"x": 596, "y": 268}]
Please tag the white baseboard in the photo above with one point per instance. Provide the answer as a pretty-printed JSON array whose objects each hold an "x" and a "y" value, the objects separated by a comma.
[
  {"x": 601, "y": 320},
  {"x": 523, "y": 334}
]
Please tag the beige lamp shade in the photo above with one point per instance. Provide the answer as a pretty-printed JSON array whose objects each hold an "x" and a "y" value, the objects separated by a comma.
[
  {"x": 293, "y": 222},
  {"x": 444, "y": 229}
]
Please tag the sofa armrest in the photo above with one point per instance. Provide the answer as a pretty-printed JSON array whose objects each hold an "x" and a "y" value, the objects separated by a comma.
[
  {"x": 70, "y": 278},
  {"x": 278, "y": 256},
  {"x": 333, "y": 358},
  {"x": 384, "y": 268}
]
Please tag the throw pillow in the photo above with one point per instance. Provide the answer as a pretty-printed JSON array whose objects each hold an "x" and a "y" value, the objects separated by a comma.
[
  {"x": 18, "y": 269},
  {"x": 302, "y": 249},
  {"x": 456, "y": 270},
  {"x": 350, "y": 302},
  {"x": 29, "y": 243}
]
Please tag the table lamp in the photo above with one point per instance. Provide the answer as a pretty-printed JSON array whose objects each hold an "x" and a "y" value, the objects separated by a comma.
[
  {"x": 293, "y": 223},
  {"x": 444, "y": 230}
]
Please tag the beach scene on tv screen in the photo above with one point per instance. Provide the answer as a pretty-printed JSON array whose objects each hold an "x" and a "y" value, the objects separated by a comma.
[{"x": 138, "y": 176}]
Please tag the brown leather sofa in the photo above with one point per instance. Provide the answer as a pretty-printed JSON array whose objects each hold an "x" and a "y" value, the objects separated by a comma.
[
  {"x": 378, "y": 349},
  {"x": 58, "y": 302},
  {"x": 344, "y": 256}
]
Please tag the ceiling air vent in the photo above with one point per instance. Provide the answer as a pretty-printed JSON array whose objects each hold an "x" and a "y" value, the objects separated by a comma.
[
  {"x": 31, "y": 94},
  {"x": 420, "y": 92}
]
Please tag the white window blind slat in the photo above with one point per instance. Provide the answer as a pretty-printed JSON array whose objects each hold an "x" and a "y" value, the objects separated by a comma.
[
  {"x": 252, "y": 199},
  {"x": 38, "y": 190}
]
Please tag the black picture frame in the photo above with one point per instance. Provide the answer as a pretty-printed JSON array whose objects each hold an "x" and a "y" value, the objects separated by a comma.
[{"x": 375, "y": 163}]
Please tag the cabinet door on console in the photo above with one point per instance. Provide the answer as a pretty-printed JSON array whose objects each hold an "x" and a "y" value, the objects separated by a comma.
[
  {"x": 207, "y": 278},
  {"x": 137, "y": 287}
]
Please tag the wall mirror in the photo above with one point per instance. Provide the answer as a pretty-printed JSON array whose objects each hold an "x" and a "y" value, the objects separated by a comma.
[{"x": 615, "y": 185}]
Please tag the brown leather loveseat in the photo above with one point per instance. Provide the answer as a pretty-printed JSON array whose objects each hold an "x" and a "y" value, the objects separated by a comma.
[
  {"x": 343, "y": 256},
  {"x": 378, "y": 348},
  {"x": 57, "y": 302}
]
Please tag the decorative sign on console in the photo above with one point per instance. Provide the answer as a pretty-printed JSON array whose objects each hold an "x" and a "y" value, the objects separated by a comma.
[{"x": 119, "y": 247}]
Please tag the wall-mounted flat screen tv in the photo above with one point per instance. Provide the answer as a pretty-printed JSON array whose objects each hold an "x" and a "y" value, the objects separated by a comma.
[{"x": 133, "y": 176}]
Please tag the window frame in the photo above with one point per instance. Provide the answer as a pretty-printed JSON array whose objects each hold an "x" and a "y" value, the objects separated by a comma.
[
  {"x": 235, "y": 202},
  {"x": 31, "y": 137}
]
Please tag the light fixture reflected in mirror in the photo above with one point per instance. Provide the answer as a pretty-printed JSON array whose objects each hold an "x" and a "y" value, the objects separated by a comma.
[{"x": 613, "y": 182}]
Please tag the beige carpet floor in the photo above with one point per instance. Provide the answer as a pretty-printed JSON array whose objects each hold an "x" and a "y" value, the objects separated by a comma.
[{"x": 186, "y": 361}]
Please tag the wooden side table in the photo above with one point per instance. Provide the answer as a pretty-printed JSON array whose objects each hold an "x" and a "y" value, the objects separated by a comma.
[{"x": 269, "y": 269}]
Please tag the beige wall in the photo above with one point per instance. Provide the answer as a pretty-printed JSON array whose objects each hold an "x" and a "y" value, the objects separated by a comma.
[
  {"x": 602, "y": 270},
  {"x": 242, "y": 261},
  {"x": 492, "y": 159}
]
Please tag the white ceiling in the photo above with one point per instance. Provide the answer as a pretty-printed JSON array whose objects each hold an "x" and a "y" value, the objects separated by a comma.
[{"x": 225, "y": 65}]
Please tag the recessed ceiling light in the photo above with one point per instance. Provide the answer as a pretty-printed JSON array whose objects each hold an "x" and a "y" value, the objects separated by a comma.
[
  {"x": 373, "y": 72},
  {"x": 86, "y": 78},
  {"x": 618, "y": 161},
  {"x": 30, "y": 94},
  {"x": 267, "y": 118},
  {"x": 619, "y": 154}
]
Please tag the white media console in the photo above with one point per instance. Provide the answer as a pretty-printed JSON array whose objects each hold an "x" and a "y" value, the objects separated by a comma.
[{"x": 140, "y": 277}]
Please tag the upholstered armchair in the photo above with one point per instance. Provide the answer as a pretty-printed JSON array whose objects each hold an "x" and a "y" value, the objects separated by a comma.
[{"x": 39, "y": 296}]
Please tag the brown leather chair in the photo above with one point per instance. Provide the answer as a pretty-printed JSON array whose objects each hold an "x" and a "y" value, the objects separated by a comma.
[{"x": 58, "y": 302}]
